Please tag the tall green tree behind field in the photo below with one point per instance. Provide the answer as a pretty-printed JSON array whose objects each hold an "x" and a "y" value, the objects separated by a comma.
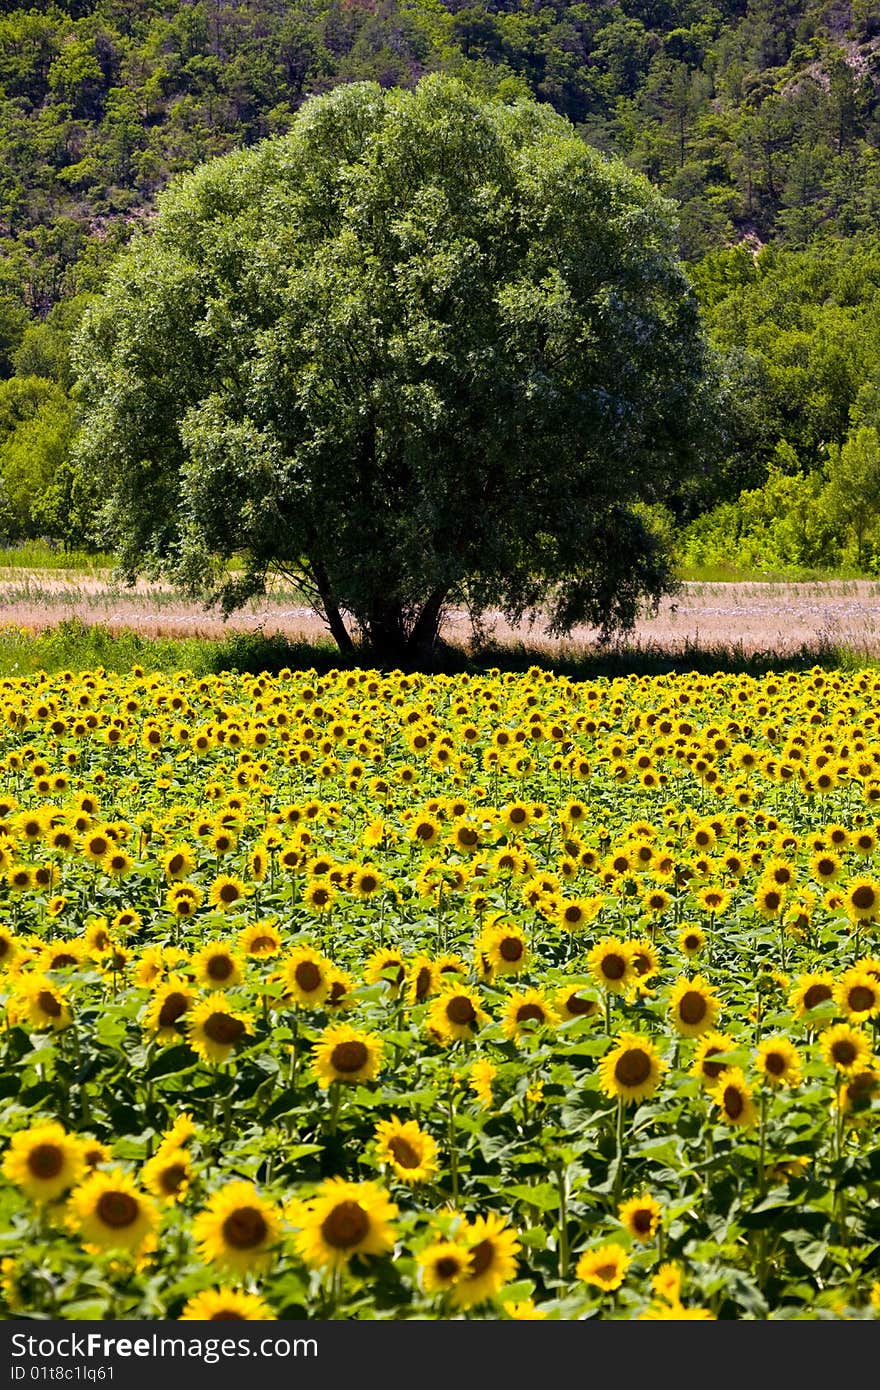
[{"x": 423, "y": 349}]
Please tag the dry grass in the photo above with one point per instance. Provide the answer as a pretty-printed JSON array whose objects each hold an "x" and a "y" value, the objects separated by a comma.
[{"x": 780, "y": 618}]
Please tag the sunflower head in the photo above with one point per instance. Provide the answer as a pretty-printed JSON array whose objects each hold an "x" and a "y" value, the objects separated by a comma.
[
  {"x": 238, "y": 1229},
  {"x": 604, "y": 1268},
  {"x": 44, "y": 1161},
  {"x": 342, "y": 1220},
  {"x": 347, "y": 1055},
  {"x": 111, "y": 1212},
  {"x": 408, "y": 1150},
  {"x": 631, "y": 1071}
]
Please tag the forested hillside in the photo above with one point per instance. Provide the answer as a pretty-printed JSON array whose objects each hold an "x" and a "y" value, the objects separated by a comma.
[{"x": 759, "y": 118}]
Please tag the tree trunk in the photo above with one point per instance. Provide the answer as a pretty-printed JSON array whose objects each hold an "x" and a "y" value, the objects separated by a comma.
[
  {"x": 331, "y": 609},
  {"x": 423, "y": 637}
]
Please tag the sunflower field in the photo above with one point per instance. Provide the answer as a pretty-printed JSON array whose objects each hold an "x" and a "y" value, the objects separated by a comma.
[{"x": 387, "y": 996}]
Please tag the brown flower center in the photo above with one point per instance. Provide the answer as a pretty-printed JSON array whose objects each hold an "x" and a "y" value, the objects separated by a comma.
[
  {"x": 614, "y": 967},
  {"x": 844, "y": 1052},
  {"x": 734, "y": 1104},
  {"x": 223, "y": 1028},
  {"x": 816, "y": 994},
  {"x": 172, "y": 1178},
  {"x": 263, "y": 943},
  {"x": 460, "y": 1010},
  {"x": 229, "y": 893},
  {"x": 861, "y": 998},
  {"x": 572, "y": 916},
  {"x": 530, "y": 1013},
  {"x": 307, "y": 976},
  {"x": 863, "y": 897},
  {"x": 50, "y": 1005},
  {"x": 46, "y": 1161},
  {"x": 775, "y": 1063},
  {"x": 692, "y": 1007},
  {"x": 349, "y": 1057},
  {"x": 173, "y": 1008},
  {"x": 511, "y": 949},
  {"x": 423, "y": 983},
  {"x": 606, "y": 1272},
  {"x": 642, "y": 1220},
  {"x": 226, "y": 1316},
  {"x": 245, "y": 1228},
  {"x": 117, "y": 1209},
  {"x": 220, "y": 967},
  {"x": 482, "y": 1257},
  {"x": 403, "y": 1151},
  {"x": 447, "y": 1267},
  {"x": 632, "y": 1067},
  {"x": 345, "y": 1226}
]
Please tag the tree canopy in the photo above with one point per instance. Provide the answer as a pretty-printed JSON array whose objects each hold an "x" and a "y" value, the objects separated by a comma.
[{"x": 422, "y": 347}]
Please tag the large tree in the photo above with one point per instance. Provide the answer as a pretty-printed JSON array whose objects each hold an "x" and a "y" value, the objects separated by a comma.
[{"x": 422, "y": 348}]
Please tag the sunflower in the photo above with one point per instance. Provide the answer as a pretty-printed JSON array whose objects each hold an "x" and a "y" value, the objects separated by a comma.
[
  {"x": 641, "y": 1216},
  {"x": 610, "y": 963},
  {"x": 441, "y": 1265},
  {"x": 342, "y": 1220},
  {"x": 733, "y": 1094},
  {"x": 110, "y": 1211},
  {"x": 666, "y": 1283},
  {"x": 227, "y": 892},
  {"x": 40, "y": 1003},
  {"x": 424, "y": 979},
  {"x": 846, "y": 1048},
  {"x": 178, "y": 862},
  {"x": 183, "y": 900},
  {"x": 388, "y": 968},
  {"x": 408, "y": 1150},
  {"x": 424, "y": 831},
  {"x": 632, "y": 1069},
  {"x": 346, "y": 1054},
  {"x": 341, "y": 993},
  {"x": 238, "y": 1229},
  {"x": 571, "y": 1003},
  {"x": 861, "y": 899},
  {"x": 506, "y": 948},
  {"x": 524, "y": 1311},
  {"x": 713, "y": 900},
  {"x": 307, "y": 976},
  {"x": 480, "y": 1076},
  {"x": 44, "y": 1161},
  {"x": 261, "y": 940},
  {"x": 709, "y": 1047},
  {"x": 691, "y": 941},
  {"x": 217, "y": 966},
  {"x": 644, "y": 960},
  {"x": 573, "y": 914},
  {"x": 167, "y": 1174},
  {"x": 809, "y": 992},
  {"x": 825, "y": 866},
  {"x": 857, "y": 995},
  {"x": 215, "y": 1029},
  {"x": 456, "y": 1014},
  {"x": 366, "y": 881},
  {"x": 857, "y": 1093},
  {"x": 492, "y": 1248},
  {"x": 226, "y": 1305},
  {"x": 605, "y": 1267},
  {"x": 165, "y": 1012},
  {"x": 655, "y": 901},
  {"x": 693, "y": 1007},
  {"x": 769, "y": 899},
  {"x": 525, "y": 1012},
  {"x": 94, "y": 1152},
  {"x": 779, "y": 1062}
]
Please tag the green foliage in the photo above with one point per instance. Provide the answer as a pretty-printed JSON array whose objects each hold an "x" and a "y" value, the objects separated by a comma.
[{"x": 421, "y": 348}]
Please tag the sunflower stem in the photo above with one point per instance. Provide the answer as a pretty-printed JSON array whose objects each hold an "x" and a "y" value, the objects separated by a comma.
[
  {"x": 335, "y": 1093},
  {"x": 618, "y": 1176},
  {"x": 563, "y": 1221},
  {"x": 762, "y": 1146},
  {"x": 453, "y": 1150}
]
